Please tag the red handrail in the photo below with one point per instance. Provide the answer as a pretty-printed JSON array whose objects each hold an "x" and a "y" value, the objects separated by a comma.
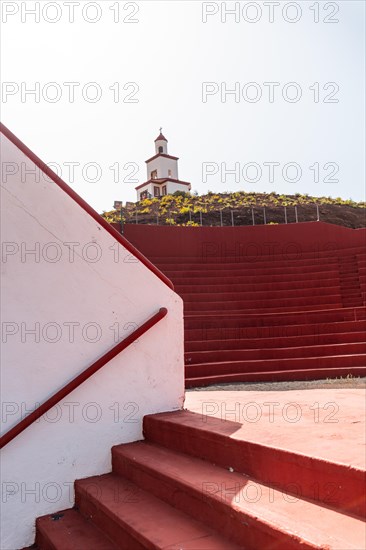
[
  {"x": 107, "y": 226},
  {"x": 78, "y": 380}
]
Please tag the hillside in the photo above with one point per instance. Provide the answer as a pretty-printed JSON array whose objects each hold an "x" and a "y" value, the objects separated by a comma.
[{"x": 239, "y": 209}]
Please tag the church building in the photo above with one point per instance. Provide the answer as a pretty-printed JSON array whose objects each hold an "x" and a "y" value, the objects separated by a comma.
[{"x": 162, "y": 173}]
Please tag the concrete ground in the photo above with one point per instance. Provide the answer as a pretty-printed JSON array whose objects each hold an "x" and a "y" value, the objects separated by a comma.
[
  {"x": 329, "y": 383},
  {"x": 327, "y": 422}
]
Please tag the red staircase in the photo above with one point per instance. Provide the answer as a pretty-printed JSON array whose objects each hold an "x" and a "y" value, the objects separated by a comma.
[
  {"x": 271, "y": 318},
  {"x": 191, "y": 485},
  {"x": 199, "y": 483}
]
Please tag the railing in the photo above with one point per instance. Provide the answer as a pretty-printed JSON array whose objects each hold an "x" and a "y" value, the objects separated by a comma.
[
  {"x": 78, "y": 380},
  {"x": 208, "y": 216},
  {"x": 250, "y": 215}
]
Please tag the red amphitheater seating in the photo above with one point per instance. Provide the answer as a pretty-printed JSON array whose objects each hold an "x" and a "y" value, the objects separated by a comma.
[
  {"x": 214, "y": 483},
  {"x": 272, "y": 319}
]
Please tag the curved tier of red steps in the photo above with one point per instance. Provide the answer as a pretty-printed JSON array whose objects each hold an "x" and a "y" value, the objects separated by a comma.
[{"x": 271, "y": 319}]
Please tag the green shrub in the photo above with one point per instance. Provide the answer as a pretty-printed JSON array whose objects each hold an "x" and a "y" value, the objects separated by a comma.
[{"x": 181, "y": 194}]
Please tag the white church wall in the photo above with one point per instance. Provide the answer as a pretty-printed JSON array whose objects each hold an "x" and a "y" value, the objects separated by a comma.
[
  {"x": 76, "y": 291},
  {"x": 161, "y": 143},
  {"x": 173, "y": 187},
  {"x": 163, "y": 165}
]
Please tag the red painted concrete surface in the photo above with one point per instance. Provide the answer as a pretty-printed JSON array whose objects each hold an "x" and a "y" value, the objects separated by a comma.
[
  {"x": 324, "y": 429},
  {"x": 267, "y": 302},
  {"x": 216, "y": 242},
  {"x": 250, "y": 470}
]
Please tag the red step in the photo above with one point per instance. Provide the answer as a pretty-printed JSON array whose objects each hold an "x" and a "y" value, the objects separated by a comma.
[
  {"x": 253, "y": 264},
  {"x": 278, "y": 352},
  {"x": 209, "y": 284},
  {"x": 213, "y": 303},
  {"x": 241, "y": 508},
  {"x": 228, "y": 319},
  {"x": 279, "y": 331},
  {"x": 222, "y": 441},
  {"x": 344, "y": 253},
  {"x": 308, "y": 280},
  {"x": 275, "y": 376},
  {"x": 136, "y": 519},
  {"x": 240, "y": 292},
  {"x": 223, "y": 312},
  {"x": 264, "y": 343},
  {"x": 328, "y": 272},
  {"x": 69, "y": 530},
  {"x": 200, "y": 370},
  {"x": 293, "y": 288},
  {"x": 282, "y": 273}
]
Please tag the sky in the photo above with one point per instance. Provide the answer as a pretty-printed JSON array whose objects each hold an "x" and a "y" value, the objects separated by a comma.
[{"x": 252, "y": 96}]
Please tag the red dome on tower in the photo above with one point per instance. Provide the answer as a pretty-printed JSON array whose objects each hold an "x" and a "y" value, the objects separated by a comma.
[{"x": 161, "y": 138}]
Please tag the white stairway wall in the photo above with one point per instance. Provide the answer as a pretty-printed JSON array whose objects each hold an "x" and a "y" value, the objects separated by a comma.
[{"x": 70, "y": 299}]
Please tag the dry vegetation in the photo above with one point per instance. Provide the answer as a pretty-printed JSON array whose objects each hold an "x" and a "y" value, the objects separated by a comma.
[{"x": 225, "y": 208}]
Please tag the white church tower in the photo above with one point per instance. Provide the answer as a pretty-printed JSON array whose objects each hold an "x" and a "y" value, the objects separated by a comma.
[{"x": 162, "y": 173}]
